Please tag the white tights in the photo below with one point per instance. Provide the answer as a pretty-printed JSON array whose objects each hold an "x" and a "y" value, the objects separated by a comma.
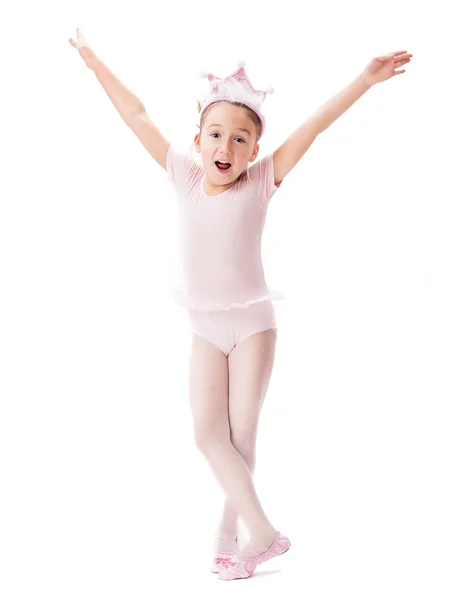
[{"x": 226, "y": 395}]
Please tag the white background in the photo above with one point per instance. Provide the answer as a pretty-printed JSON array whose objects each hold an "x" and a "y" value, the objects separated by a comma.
[{"x": 366, "y": 444}]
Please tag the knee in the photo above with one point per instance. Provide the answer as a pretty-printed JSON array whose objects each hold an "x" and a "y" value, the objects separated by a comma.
[
  {"x": 246, "y": 446},
  {"x": 208, "y": 441}
]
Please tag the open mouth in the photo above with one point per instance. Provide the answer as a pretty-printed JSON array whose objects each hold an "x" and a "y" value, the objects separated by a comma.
[{"x": 223, "y": 167}]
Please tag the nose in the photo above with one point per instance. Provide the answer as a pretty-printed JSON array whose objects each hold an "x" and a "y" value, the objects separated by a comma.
[{"x": 226, "y": 146}]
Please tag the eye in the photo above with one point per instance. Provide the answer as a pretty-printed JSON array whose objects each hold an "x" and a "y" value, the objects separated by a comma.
[{"x": 243, "y": 141}]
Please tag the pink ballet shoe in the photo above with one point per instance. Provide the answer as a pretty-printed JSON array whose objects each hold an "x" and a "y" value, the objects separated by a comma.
[
  {"x": 241, "y": 568},
  {"x": 222, "y": 558}
]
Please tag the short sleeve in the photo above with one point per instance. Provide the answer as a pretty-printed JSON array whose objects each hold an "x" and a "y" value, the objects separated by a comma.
[
  {"x": 262, "y": 176},
  {"x": 178, "y": 166}
]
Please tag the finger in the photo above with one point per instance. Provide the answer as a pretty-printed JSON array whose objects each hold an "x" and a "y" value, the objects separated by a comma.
[
  {"x": 82, "y": 39},
  {"x": 407, "y": 55},
  {"x": 399, "y": 72},
  {"x": 389, "y": 56},
  {"x": 73, "y": 43}
]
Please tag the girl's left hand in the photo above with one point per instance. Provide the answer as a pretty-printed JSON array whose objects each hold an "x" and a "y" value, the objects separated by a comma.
[{"x": 383, "y": 67}]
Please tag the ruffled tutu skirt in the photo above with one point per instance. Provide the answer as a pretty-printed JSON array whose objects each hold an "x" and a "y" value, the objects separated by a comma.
[{"x": 180, "y": 298}]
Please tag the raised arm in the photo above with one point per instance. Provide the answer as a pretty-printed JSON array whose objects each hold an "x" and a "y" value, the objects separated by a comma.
[
  {"x": 292, "y": 150},
  {"x": 128, "y": 105}
]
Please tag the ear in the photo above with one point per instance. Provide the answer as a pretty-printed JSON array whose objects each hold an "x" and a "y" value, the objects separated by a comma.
[
  {"x": 255, "y": 154},
  {"x": 196, "y": 142}
]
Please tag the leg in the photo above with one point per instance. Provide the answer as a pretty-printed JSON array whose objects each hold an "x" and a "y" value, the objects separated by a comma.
[
  {"x": 250, "y": 365},
  {"x": 208, "y": 391}
]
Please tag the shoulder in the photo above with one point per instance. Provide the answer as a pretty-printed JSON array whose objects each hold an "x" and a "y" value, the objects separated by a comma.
[
  {"x": 262, "y": 173},
  {"x": 181, "y": 164}
]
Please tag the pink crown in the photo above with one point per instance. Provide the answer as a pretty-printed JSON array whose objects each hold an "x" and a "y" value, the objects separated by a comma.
[{"x": 238, "y": 88}]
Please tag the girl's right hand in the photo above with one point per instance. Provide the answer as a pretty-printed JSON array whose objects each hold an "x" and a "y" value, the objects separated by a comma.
[{"x": 84, "y": 49}]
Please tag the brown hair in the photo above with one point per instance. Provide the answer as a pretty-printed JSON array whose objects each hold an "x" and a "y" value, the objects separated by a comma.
[{"x": 251, "y": 113}]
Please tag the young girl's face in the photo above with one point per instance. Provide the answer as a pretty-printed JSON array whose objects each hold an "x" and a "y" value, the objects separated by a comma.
[{"x": 228, "y": 134}]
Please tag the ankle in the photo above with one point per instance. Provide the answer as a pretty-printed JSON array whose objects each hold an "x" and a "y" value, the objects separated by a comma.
[
  {"x": 226, "y": 542},
  {"x": 263, "y": 538}
]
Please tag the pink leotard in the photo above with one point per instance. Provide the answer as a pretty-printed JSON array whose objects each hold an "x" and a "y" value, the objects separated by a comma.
[{"x": 220, "y": 236}]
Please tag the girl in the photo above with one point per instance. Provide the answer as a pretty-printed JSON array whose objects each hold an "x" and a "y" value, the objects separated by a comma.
[{"x": 223, "y": 207}]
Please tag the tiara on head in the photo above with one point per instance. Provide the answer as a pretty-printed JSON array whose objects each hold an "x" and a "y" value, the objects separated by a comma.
[{"x": 237, "y": 88}]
